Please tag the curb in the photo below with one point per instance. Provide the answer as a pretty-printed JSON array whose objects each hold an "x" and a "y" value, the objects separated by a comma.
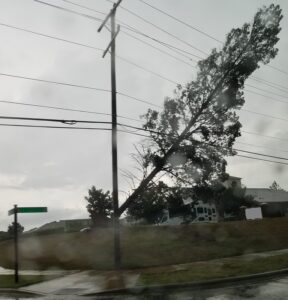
[{"x": 210, "y": 284}]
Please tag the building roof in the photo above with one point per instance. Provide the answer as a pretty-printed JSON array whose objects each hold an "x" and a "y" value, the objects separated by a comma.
[
  {"x": 267, "y": 195},
  {"x": 234, "y": 177}
]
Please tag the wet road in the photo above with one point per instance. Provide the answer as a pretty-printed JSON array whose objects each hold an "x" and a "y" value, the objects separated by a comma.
[{"x": 276, "y": 289}]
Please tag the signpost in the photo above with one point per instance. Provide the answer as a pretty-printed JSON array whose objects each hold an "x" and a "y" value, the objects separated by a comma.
[{"x": 15, "y": 211}]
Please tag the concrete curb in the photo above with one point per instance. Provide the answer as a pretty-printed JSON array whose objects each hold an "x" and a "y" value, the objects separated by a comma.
[{"x": 209, "y": 284}]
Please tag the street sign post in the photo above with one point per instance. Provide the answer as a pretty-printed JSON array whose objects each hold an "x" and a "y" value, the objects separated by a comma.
[{"x": 15, "y": 211}]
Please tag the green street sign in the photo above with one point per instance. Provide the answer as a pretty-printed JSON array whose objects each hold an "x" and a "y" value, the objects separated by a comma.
[
  {"x": 28, "y": 210},
  {"x": 32, "y": 209}
]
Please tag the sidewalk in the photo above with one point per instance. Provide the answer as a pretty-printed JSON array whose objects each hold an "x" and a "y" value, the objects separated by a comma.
[
  {"x": 85, "y": 282},
  {"x": 37, "y": 272}
]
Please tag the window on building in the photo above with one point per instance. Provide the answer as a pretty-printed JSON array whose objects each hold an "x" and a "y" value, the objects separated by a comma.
[
  {"x": 200, "y": 210},
  {"x": 209, "y": 212}
]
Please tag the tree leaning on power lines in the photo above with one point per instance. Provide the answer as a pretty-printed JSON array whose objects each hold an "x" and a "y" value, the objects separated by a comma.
[{"x": 198, "y": 127}]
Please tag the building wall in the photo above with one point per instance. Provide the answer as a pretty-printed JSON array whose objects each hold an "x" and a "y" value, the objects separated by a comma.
[
  {"x": 233, "y": 182},
  {"x": 275, "y": 209}
]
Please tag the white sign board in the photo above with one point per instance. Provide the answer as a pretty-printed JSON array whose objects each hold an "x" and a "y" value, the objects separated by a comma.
[
  {"x": 253, "y": 213},
  {"x": 187, "y": 200}
]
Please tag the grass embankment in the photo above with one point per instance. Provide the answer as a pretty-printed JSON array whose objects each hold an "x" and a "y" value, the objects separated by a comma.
[{"x": 148, "y": 246}]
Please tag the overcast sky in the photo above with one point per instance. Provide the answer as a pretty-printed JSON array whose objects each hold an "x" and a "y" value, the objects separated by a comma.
[{"x": 55, "y": 168}]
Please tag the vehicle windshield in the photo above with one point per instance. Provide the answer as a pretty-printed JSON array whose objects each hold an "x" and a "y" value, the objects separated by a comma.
[{"x": 144, "y": 149}]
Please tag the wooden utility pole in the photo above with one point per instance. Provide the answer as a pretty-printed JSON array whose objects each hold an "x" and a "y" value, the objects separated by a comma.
[{"x": 116, "y": 215}]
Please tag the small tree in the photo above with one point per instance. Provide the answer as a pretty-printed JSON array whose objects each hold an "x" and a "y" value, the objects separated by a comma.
[
  {"x": 99, "y": 206},
  {"x": 10, "y": 231},
  {"x": 276, "y": 187},
  {"x": 233, "y": 199}
]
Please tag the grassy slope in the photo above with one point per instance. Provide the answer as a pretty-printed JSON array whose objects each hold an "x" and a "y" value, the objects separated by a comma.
[{"x": 148, "y": 246}]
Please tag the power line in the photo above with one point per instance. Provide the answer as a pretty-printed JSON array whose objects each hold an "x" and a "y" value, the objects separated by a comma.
[
  {"x": 90, "y": 47},
  {"x": 76, "y": 85},
  {"x": 261, "y": 159},
  {"x": 197, "y": 29},
  {"x": 261, "y": 154},
  {"x": 82, "y": 6},
  {"x": 263, "y": 90},
  {"x": 158, "y": 49},
  {"x": 167, "y": 45},
  {"x": 99, "y": 49},
  {"x": 66, "y": 109},
  {"x": 264, "y": 147},
  {"x": 97, "y": 19},
  {"x": 123, "y": 94},
  {"x": 264, "y": 115},
  {"x": 55, "y": 127},
  {"x": 138, "y": 99},
  {"x": 124, "y": 59},
  {"x": 128, "y": 96},
  {"x": 265, "y": 96},
  {"x": 147, "y": 70},
  {"x": 182, "y": 22},
  {"x": 54, "y": 82},
  {"x": 267, "y": 136},
  {"x": 240, "y": 150},
  {"x": 270, "y": 84},
  {"x": 277, "y": 69},
  {"x": 126, "y": 131},
  {"x": 69, "y": 10},
  {"x": 64, "y": 121},
  {"x": 51, "y": 37},
  {"x": 128, "y": 27},
  {"x": 73, "y": 122},
  {"x": 161, "y": 29}
]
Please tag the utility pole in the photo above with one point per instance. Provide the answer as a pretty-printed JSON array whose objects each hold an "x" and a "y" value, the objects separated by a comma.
[{"x": 112, "y": 48}]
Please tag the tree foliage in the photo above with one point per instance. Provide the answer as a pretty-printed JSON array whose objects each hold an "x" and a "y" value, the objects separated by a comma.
[
  {"x": 99, "y": 206},
  {"x": 10, "y": 230},
  {"x": 234, "y": 200},
  {"x": 158, "y": 199},
  {"x": 150, "y": 205},
  {"x": 276, "y": 187},
  {"x": 197, "y": 128}
]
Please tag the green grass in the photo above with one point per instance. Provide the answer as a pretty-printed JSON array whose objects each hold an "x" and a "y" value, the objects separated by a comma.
[
  {"x": 203, "y": 271},
  {"x": 146, "y": 246},
  {"x": 7, "y": 281}
]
